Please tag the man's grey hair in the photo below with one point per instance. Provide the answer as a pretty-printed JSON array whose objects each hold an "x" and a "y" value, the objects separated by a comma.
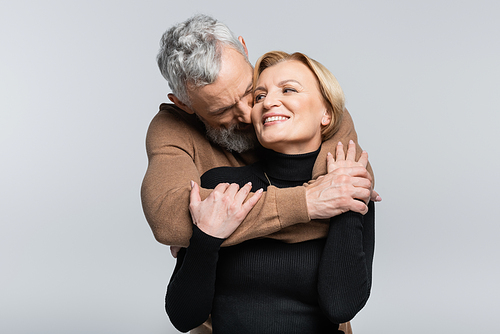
[{"x": 190, "y": 53}]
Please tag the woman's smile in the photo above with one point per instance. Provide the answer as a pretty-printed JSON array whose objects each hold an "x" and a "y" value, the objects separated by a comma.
[{"x": 271, "y": 119}]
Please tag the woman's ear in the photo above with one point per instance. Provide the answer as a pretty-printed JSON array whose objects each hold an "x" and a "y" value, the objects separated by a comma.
[{"x": 326, "y": 119}]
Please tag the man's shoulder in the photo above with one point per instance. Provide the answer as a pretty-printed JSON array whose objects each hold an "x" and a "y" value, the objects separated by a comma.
[
  {"x": 172, "y": 126},
  {"x": 174, "y": 118}
]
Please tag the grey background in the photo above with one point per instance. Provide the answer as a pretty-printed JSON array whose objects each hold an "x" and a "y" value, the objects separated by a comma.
[{"x": 79, "y": 86}]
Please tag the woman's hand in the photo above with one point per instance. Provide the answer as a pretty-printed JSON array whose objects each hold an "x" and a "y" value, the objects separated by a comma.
[
  {"x": 350, "y": 161},
  {"x": 223, "y": 210},
  {"x": 342, "y": 161}
]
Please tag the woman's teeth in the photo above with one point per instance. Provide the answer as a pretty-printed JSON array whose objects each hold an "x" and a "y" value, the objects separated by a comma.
[{"x": 275, "y": 118}]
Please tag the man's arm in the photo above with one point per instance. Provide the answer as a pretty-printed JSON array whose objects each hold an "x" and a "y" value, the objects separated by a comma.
[
  {"x": 179, "y": 153},
  {"x": 334, "y": 193},
  {"x": 344, "y": 134}
]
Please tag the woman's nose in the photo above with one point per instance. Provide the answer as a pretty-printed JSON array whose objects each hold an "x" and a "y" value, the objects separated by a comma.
[{"x": 271, "y": 101}]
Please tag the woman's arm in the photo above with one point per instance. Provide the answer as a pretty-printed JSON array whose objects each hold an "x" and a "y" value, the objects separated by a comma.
[
  {"x": 345, "y": 271},
  {"x": 191, "y": 289}
]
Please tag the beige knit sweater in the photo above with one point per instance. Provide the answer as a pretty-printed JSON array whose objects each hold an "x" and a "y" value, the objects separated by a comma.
[{"x": 178, "y": 152}]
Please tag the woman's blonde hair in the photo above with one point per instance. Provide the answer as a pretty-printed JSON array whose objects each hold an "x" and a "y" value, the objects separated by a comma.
[{"x": 330, "y": 88}]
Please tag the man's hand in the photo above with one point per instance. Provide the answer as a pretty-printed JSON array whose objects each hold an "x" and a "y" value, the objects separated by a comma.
[
  {"x": 223, "y": 210},
  {"x": 347, "y": 186}
]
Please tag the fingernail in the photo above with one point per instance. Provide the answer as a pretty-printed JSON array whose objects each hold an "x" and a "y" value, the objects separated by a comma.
[
  {"x": 351, "y": 141},
  {"x": 259, "y": 191},
  {"x": 329, "y": 153},
  {"x": 378, "y": 199},
  {"x": 249, "y": 183},
  {"x": 339, "y": 143},
  {"x": 192, "y": 184}
]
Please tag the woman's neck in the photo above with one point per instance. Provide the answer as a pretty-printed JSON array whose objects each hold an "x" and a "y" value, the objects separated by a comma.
[{"x": 288, "y": 167}]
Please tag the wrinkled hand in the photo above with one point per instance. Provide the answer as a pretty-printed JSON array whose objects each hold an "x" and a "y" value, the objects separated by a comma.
[
  {"x": 223, "y": 210},
  {"x": 347, "y": 186}
]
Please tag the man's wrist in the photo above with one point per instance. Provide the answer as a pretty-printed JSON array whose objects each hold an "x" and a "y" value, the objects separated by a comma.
[{"x": 291, "y": 205}]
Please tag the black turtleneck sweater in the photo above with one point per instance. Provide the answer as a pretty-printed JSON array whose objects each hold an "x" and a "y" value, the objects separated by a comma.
[{"x": 265, "y": 285}]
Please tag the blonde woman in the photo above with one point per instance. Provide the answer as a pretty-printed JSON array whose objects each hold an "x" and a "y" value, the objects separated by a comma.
[{"x": 267, "y": 285}]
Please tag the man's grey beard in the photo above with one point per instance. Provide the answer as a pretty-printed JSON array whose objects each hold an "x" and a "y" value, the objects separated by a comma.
[{"x": 232, "y": 139}]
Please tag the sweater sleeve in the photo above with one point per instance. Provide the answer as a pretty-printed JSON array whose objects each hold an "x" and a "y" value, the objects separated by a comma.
[
  {"x": 345, "y": 133},
  {"x": 178, "y": 153},
  {"x": 345, "y": 270},
  {"x": 166, "y": 184},
  {"x": 191, "y": 289}
]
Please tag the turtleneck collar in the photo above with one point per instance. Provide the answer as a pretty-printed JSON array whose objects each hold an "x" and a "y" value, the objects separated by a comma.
[{"x": 289, "y": 167}]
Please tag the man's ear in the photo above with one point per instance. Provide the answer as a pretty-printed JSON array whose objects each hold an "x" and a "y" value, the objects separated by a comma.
[
  {"x": 242, "y": 41},
  {"x": 179, "y": 104}
]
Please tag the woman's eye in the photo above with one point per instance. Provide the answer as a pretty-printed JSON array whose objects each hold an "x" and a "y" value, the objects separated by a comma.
[
  {"x": 259, "y": 97},
  {"x": 289, "y": 90}
]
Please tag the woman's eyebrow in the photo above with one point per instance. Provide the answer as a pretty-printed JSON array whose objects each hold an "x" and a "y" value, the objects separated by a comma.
[
  {"x": 284, "y": 82},
  {"x": 280, "y": 84}
]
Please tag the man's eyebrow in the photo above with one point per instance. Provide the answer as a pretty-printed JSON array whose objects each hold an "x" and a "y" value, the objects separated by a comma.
[
  {"x": 220, "y": 110},
  {"x": 223, "y": 109},
  {"x": 249, "y": 89}
]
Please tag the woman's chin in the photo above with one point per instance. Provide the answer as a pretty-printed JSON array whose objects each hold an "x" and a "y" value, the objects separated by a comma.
[
  {"x": 267, "y": 145},
  {"x": 276, "y": 147}
]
